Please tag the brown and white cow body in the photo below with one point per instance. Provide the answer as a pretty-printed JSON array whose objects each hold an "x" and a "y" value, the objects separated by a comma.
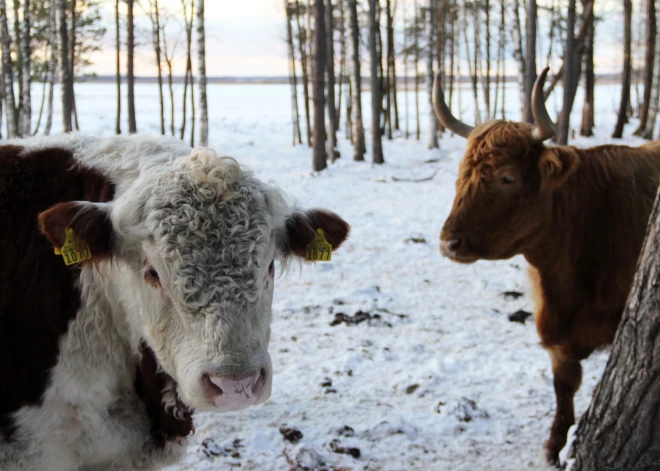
[
  {"x": 103, "y": 363},
  {"x": 577, "y": 215}
]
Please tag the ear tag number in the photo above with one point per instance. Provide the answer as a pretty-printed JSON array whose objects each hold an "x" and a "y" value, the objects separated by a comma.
[
  {"x": 319, "y": 249},
  {"x": 74, "y": 250}
]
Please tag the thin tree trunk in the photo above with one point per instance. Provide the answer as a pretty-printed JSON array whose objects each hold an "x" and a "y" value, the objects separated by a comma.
[
  {"x": 26, "y": 61},
  {"x": 391, "y": 55},
  {"x": 319, "y": 161},
  {"x": 487, "y": 73},
  {"x": 430, "y": 53},
  {"x": 622, "y": 117},
  {"x": 589, "y": 81},
  {"x": 293, "y": 80},
  {"x": 649, "y": 131},
  {"x": 452, "y": 50},
  {"x": 620, "y": 429},
  {"x": 330, "y": 67},
  {"x": 473, "y": 76},
  {"x": 570, "y": 79},
  {"x": 651, "y": 32},
  {"x": 19, "y": 64},
  {"x": 359, "y": 144},
  {"x": 388, "y": 74},
  {"x": 43, "y": 102},
  {"x": 65, "y": 71},
  {"x": 377, "y": 148},
  {"x": 130, "y": 78},
  {"x": 342, "y": 60},
  {"x": 169, "y": 57},
  {"x": 416, "y": 58},
  {"x": 52, "y": 35},
  {"x": 72, "y": 62},
  {"x": 154, "y": 15},
  {"x": 8, "y": 74},
  {"x": 518, "y": 55},
  {"x": 117, "y": 68},
  {"x": 188, "y": 21},
  {"x": 530, "y": 58},
  {"x": 302, "y": 47},
  {"x": 201, "y": 64}
]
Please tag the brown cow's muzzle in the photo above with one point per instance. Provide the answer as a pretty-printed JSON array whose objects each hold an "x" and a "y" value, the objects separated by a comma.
[{"x": 455, "y": 248}]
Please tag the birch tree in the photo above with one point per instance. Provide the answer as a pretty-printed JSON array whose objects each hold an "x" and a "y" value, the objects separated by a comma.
[
  {"x": 201, "y": 64},
  {"x": 154, "y": 17},
  {"x": 52, "y": 39},
  {"x": 26, "y": 62},
  {"x": 359, "y": 144},
  {"x": 376, "y": 102},
  {"x": 330, "y": 67},
  {"x": 118, "y": 68}
]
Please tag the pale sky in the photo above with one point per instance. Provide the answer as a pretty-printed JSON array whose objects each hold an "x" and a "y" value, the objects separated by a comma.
[{"x": 246, "y": 38}]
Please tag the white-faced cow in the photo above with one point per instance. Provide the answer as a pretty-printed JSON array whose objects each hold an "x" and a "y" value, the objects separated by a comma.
[
  {"x": 577, "y": 215},
  {"x": 102, "y": 363}
]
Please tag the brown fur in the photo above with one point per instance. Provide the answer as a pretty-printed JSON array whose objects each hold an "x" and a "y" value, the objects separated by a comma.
[{"x": 578, "y": 216}]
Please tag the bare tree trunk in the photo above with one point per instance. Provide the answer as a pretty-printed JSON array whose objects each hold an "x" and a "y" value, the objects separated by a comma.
[
  {"x": 377, "y": 147},
  {"x": 168, "y": 55},
  {"x": 154, "y": 16},
  {"x": 8, "y": 75},
  {"x": 500, "y": 76},
  {"x": 342, "y": 59},
  {"x": 416, "y": 49},
  {"x": 302, "y": 47},
  {"x": 201, "y": 64},
  {"x": 473, "y": 76},
  {"x": 293, "y": 79},
  {"x": 452, "y": 50},
  {"x": 571, "y": 77},
  {"x": 649, "y": 131},
  {"x": 319, "y": 161},
  {"x": 72, "y": 61},
  {"x": 19, "y": 64},
  {"x": 530, "y": 59},
  {"x": 26, "y": 60},
  {"x": 330, "y": 67},
  {"x": 651, "y": 32},
  {"x": 487, "y": 73},
  {"x": 391, "y": 57},
  {"x": 589, "y": 81},
  {"x": 52, "y": 35},
  {"x": 359, "y": 144},
  {"x": 518, "y": 55},
  {"x": 388, "y": 74},
  {"x": 43, "y": 100},
  {"x": 65, "y": 71},
  {"x": 188, "y": 22},
  {"x": 621, "y": 426},
  {"x": 118, "y": 68},
  {"x": 430, "y": 53},
  {"x": 130, "y": 78},
  {"x": 622, "y": 117}
]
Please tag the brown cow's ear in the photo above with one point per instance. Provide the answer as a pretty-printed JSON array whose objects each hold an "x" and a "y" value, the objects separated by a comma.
[
  {"x": 90, "y": 223},
  {"x": 555, "y": 166},
  {"x": 301, "y": 229}
]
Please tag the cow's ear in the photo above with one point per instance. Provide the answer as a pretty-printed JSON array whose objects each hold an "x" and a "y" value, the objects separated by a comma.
[
  {"x": 301, "y": 229},
  {"x": 555, "y": 166},
  {"x": 90, "y": 223}
]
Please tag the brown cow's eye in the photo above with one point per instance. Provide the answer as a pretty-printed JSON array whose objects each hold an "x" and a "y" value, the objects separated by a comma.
[
  {"x": 151, "y": 276},
  {"x": 508, "y": 180}
]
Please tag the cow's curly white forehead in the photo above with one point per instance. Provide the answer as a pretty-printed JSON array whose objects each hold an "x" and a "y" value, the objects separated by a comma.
[{"x": 214, "y": 225}]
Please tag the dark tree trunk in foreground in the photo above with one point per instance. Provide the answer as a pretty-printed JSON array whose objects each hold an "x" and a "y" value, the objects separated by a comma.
[
  {"x": 130, "y": 78},
  {"x": 622, "y": 117},
  {"x": 330, "y": 65},
  {"x": 589, "y": 79},
  {"x": 357, "y": 134},
  {"x": 319, "y": 155},
  {"x": 571, "y": 77},
  {"x": 65, "y": 72},
  {"x": 530, "y": 59},
  {"x": 377, "y": 146},
  {"x": 649, "y": 63},
  {"x": 118, "y": 69},
  {"x": 620, "y": 430}
]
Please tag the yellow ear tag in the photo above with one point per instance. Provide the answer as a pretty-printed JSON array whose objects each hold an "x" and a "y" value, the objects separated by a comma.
[
  {"x": 319, "y": 249},
  {"x": 74, "y": 250}
]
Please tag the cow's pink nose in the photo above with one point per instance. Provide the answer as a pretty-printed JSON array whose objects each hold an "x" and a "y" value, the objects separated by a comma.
[
  {"x": 235, "y": 392},
  {"x": 448, "y": 248}
]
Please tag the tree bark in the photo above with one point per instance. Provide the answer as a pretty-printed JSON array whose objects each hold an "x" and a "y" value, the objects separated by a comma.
[
  {"x": 430, "y": 75},
  {"x": 201, "y": 81},
  {"x": 622, "y": 117},
  {"x": 330, "y": 67},
  {"x": 359, "y": 144},
  {"x": 293, "y": 79},
  {"x": 655, "y": 95},
  {"x": 302, "y": 48},
  {"x": 72, "y": 61},
  {"x": 570, "y": 79},
  {"x": 52, "y": 35},
  {"x": 8, "y": 74},
  {"x": 377, "y": 146},
  {"x": 651, "y": 32},
  {"x": 589, "y": 80},
  {"x": 118, "y": 68},
  {"x": 530, "y": 59},
  {"x": 416, "y": 59},
  {"x": 486, "y": 75},
  {"x": 518, "y": 55},
  {"x": 26, "y": 61},
  {"x": 19, "y": 64},
  {"x": 319, "y": 161},
  {"x": 188, "y": 79},
  {"x": 130, "y": 78},
  {"x": 155, "y": 36},
  {"x": 620, "y": 429},
  {"x": 65, "y": 71}
]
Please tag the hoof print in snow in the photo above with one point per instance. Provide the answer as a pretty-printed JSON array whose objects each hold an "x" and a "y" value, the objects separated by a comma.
[
  {"x": 512, "y": 294},
  {"x": 467, "y": 409},
  {"x": 211, "y": 449},
  {"x": 291, "y": 434},
  {"x": 520, "y": 316},
  {"x": 346, "y": 431},
  {"x": 337, "y": 448},
  {"x": 412, "y": 388},
  {"x": 415, "y": 240}
]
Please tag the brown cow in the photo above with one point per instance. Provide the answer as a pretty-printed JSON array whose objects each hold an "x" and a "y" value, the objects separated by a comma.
[{"x": 577, "y": 215}]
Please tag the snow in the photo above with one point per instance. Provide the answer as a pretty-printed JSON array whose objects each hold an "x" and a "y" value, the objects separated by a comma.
[{"x": 441, "y": 379}]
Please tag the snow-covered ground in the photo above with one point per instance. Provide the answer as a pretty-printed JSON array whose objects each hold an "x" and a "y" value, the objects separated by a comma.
[{"x": 439, "y": 377}]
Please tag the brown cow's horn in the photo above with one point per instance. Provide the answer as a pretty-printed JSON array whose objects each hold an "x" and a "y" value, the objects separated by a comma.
[
  {"x": 443, "y": 113},
  {"x": 545, "y": 128}
]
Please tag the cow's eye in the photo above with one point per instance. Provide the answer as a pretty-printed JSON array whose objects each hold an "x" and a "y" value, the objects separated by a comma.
[
  {"x": 507, "y": 179},
  {"x": 271, "y": 268},
  {"x": 151, "y": 276}
]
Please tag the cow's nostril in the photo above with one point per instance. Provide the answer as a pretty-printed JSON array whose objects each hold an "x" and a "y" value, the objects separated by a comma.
[
  {"x": 212, "y": 386},
  {"x": 454, "y": 244}
]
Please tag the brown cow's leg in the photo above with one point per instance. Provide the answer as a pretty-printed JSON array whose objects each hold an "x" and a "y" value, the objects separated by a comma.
[{"x": 567, "y": 378}]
